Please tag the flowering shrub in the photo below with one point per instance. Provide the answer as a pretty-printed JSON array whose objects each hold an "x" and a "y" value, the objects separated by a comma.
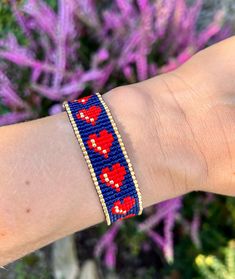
[
  {"x": 86, "y": 46},
  {"x": 60, "y": 50}
]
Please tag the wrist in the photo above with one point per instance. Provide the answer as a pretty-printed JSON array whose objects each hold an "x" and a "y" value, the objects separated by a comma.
[
  {"x": 182, "y": 155},
  {"x": 157, "y": 138},
  {"x": 210, "y": 114}
]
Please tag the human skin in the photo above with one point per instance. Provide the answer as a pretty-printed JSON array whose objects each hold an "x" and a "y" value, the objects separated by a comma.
[{"x": 179, "y": 132}]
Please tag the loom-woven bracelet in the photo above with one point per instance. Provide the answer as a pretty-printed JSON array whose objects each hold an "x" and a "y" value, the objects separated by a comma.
[{"x": 106, "y": 157}]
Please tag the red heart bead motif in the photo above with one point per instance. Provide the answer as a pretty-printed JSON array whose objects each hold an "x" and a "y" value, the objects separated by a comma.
[
  {"x": 83, "y": 100},
  {"x": 89, "y": 115},
  {"x": 124, "y": 207},
  {"x": 101, "y": 143},
  {"x": 113, "y": 178}
]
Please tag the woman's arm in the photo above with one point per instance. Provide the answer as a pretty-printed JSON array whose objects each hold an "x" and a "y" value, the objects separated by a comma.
[
  {"x": 45, "y": 187},
  {"x": 179, "y": 134}
]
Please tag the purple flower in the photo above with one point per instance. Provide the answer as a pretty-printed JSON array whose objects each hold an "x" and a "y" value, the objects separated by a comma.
[
  {"x": 126, "y": 37},
  {"x": 194, "y": 229},
  {"x": 166, "y": 211},
  {"x": 110, "y": 256},
  {"x": 13, "y": 117},
  {"x": 107, "y": 239},
  {"x": 162, "y": 210}
]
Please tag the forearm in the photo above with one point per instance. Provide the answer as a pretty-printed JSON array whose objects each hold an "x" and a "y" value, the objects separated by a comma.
[{"x": 46, "y": 190}]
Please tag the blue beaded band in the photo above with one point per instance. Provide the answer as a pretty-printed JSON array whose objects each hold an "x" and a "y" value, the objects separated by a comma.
[{"x": 106, "y": 157}]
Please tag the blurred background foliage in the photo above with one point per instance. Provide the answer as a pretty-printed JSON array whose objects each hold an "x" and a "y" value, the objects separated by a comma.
[{"x": 101, "y": 45}]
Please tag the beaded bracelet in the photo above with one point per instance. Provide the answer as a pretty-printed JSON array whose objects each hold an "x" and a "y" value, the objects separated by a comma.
[{"x": 106, "y": 157}]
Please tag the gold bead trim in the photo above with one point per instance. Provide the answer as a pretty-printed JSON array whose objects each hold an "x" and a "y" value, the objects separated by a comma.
[
  {"x": 86, "y": 156},
  {"x": 123, "y": 151}
]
